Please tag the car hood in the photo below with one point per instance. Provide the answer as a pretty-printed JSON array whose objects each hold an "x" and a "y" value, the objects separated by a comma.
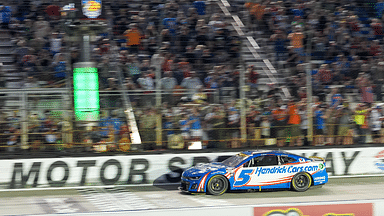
[{"x": 202, "y": 169}]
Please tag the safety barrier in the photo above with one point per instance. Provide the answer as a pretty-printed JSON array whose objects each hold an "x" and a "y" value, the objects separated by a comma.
[{"x": 56, "y": 134}]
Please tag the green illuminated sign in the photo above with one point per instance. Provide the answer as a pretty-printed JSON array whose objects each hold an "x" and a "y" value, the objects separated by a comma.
[{"x": 86, "y": 93}]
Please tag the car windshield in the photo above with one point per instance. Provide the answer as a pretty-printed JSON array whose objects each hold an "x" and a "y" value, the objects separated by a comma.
[{"x": 235, "y": 160}]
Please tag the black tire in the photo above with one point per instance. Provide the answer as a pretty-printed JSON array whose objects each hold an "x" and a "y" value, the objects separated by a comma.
[
  {"x": 217, "y": 185},
  {"x": 301, "y": 182}
]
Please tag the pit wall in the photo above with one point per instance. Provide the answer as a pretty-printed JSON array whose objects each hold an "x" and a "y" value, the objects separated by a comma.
[{"x": 159, "y": 168}]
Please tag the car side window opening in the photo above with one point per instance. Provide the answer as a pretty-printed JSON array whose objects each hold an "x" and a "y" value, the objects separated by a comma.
[
  {"x": 266, "y": 160},
  {"x": 247, "y": 164},
  {"x": 285, "y": 159}
]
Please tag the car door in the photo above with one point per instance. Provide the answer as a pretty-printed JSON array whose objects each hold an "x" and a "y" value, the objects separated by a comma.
[{"x": 252, "y": 173}]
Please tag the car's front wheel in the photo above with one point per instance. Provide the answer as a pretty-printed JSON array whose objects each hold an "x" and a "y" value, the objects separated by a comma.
[
  {"x": 301, "y": 182},
  {"x": 217, "y": 185}
]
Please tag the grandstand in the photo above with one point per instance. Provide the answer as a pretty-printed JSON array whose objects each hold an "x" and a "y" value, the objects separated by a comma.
[{"x": 224, "y": 74}]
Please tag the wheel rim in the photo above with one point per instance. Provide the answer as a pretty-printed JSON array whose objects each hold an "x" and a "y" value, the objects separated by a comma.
[
  {"x": 302, "y": 181},
  {"x": 217, "y": 184}
]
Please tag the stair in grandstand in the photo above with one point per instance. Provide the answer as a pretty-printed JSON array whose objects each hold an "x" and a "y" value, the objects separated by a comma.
[
  {"x": 251, "y": 53},
  {"x": 11, "y": 77}
]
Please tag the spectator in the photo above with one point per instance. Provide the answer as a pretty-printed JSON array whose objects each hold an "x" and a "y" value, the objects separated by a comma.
[
  {"x": 296, "y": 39},
  {"x": 253, "y": 77},
  {"x": 20, "y": 51},
  {"x": 360, "y": 118},
  {"x": 304, "y": 122},
  {"x": 182, "y": 40},
  {"x": 294, "y": 120},
  {"x": 343, "y": 126},
  {"x": 169, "y": 127},
  {"x": 147, "y": 84},
  {"x": 6, "y": 15},
  {"x": 59, "y": 66},
  {"x": 199, "y": 97},
  {"x": 133, "y": 37},
  {"x": 191, "y": 84},
  {"x": 324, "y": 75},
  {"x": 168, "y": 83},
  {"x": 133, "y": 68},
  {"x": 279, "y": 39},
  {"x": 376, "y": 119},
  {"x": 330, "y": 122},
  {"x": 104, "y": 72},
  {"x": 51, "y": 138},
  {"x": 280, "y": 116},
  {"x": 194, "y": 121},
  {"x": 113, "y": 100},
  {"x": 365, "y": 88},
  {"x": 13, "y": 139},
  {"x": 319, "y": 125},
  {"x": 41, "y": 28},
  {"x": 37, "y": 44},
  {"x": 233, "y": 125},
  {"x": 336, "y": 98},
  {"x": 55, "y": 43},
  {"x": 184, "y": 128}
]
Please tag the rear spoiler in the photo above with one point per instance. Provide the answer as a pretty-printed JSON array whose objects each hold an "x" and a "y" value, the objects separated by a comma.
[{"x": 316, "y": 157}]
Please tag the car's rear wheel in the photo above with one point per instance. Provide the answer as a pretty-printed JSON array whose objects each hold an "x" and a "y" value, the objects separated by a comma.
[
  {"x": 301, "y": 182},
  {"x": 217, "y": 185}
]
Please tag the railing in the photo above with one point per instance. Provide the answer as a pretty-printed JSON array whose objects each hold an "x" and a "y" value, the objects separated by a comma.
[{"x": 107, "y": 139}]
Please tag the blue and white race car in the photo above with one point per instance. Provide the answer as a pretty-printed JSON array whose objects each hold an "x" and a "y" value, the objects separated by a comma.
[{"x": 255, "y": 170}]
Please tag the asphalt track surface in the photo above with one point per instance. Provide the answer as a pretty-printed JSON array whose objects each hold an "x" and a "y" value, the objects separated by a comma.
[{"x": 142, "y": 198}]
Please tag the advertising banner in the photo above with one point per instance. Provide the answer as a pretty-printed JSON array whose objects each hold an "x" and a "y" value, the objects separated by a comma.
[
  {"x": 356, "y": 209},
  {"x": 158, "y": 169}
]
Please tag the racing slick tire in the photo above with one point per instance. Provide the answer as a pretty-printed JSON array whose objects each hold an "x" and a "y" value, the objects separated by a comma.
[
  {"x": 217, "y": 185},
  {"x": 301, "y": 182}
]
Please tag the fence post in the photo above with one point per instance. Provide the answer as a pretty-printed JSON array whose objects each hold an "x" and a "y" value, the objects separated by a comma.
[{"x": 24, "y": 122}]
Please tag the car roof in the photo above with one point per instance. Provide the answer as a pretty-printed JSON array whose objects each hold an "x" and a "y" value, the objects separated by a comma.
[{"x": 265, "y": 151}]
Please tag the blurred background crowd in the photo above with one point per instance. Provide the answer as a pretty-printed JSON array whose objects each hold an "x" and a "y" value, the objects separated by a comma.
[{"x": 192, "y": 52}]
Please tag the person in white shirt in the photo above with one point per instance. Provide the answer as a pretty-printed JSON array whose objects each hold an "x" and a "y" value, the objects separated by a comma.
[
  {"x": 376, "y": 119},
  {"x": 192, "y": 84},
  {"x": 55, "y": 43},
  {"x": 168, "y": 83},
  {"x": 147, "y": 84}
]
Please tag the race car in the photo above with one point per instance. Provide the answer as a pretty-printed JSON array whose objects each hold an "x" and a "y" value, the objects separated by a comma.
[{"x": 255, "y": 170}]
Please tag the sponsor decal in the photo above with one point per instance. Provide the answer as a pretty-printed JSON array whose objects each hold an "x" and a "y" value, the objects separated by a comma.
[
  {"x": 355, "y": 209},
  {"x": 319, "y": 179},
  {"x": 165, "y": 168},
  {"x": 96, "y": 171},
  {"x": 91, "y": 8},
  {"x": 285, "y": 169},
  {"x": 380, "y": 160}
]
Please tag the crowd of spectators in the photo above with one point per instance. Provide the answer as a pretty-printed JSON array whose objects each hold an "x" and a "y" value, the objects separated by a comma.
[
  {"x": 192, "y": 47},
  {"x": 268, "y": 122},
  {"x": 343, "y": 40}
]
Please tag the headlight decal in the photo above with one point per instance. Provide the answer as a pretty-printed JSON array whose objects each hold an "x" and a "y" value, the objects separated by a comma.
[{"x": 194, "y": 178}]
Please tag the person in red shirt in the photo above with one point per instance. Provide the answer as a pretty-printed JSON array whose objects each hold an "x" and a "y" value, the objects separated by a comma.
[
  {"x": 375, "y": 48},
  {"x": 253, "y": 77},
  {"x": 325, "y": 75},
  {"x": 377, "y": 27}
]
